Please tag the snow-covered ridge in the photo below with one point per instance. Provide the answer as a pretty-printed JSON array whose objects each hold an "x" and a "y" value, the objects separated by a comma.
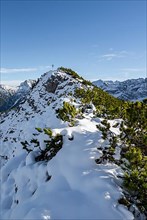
[
  {"x": 8, "y": 88},
  {"x": 131, "y": 89},
  {"x": 26, "y": 85},
  {"x": 70, "y": 185},
  {"x": 11, "y": 96}
]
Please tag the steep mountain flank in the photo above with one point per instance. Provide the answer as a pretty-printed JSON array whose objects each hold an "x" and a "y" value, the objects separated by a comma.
[
  {"x": 11, "y": 97},
  {"x": 62, "y": 153}
]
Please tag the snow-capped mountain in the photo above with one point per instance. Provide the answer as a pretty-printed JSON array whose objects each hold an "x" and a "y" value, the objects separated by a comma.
[
  {"x": 48, "y": 165},
  {"x": 12, "y": 96},
  {"x": 132, "y": 89},
  {"x": 6, "y": 92}
]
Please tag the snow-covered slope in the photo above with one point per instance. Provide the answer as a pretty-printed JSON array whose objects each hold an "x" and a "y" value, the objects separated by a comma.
[
  {"x": 132, "y": 89},
  {"x": 70, "y": 185},
  {"x": 6, "y": 92},
  {"x": 12, "y": 96}
]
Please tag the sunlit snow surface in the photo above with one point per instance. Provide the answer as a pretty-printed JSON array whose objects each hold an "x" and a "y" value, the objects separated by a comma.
[{"x": 78, "y": 188}]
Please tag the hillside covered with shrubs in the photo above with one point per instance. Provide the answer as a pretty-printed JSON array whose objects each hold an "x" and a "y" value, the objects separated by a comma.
[{"x": 72, "y": 146}]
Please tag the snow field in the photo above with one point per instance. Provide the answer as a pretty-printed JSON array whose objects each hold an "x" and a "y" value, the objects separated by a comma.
[{"x": 78, "y": 188}]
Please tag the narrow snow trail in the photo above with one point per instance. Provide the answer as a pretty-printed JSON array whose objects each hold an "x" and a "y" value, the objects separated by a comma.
[
  {"x": 78, "y": 188},
  {"x": 88, "y": 190}
]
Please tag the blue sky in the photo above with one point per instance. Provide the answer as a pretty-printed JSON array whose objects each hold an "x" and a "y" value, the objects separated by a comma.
[{"x": 98, "y": 39}]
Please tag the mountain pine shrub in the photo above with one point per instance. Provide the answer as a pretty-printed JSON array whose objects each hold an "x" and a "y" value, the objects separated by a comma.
[
  {"x": 52, "y": 145},
  {"x": 48, "y": 131},
  {"x": 70, "y": 72},
  {"x": 134, "y": 126},
  {"x": 67, "y": 113},
  {"x": 106, "y": 105},
  {"x": 135, "y": 178},
  {"x": 36, "y": 142},
  {"x": 39, "y": 130},
  {"x": 26, "y": 146}
]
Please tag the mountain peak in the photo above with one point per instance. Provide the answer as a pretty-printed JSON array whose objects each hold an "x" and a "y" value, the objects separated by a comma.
[
  {"x": 12, "y": 96},
  {"x": 60, "y": 158},
  {"x": 27, "y": 84}
]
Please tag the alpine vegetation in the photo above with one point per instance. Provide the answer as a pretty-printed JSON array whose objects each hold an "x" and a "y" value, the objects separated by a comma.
[{"x": 70, "y": 150}]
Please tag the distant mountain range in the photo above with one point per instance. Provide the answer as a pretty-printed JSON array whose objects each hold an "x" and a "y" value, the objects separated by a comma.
[
  {"x": 12, "y": 96},
  {"x": 131, "y": 89}
]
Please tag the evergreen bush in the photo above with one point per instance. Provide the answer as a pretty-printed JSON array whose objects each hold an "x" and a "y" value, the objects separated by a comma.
[
  {"x": 70, "y": 72},
  {"x": 67, "y": 113},
  {"x": 135, "y": 178},
  {"x": 52, "y": 145}
]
